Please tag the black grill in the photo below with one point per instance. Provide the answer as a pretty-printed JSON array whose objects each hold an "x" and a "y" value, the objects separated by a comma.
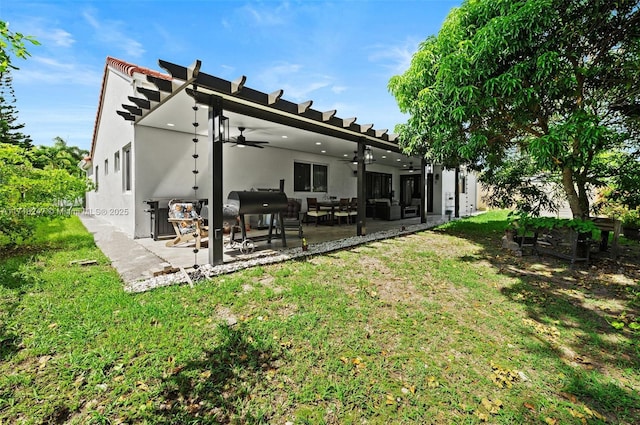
[
  {"x": 244, "y": 202},
  {"x": 258, "y": 202}
]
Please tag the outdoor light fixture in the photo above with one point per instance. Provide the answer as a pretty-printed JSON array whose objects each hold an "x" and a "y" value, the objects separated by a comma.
[
  {"x": 429, "y": 168},
  {"x": 368, "y": 155},
  {"x": 224, "y": 128}
]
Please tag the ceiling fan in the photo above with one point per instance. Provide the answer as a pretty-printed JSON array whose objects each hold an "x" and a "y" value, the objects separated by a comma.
[
  {"x": 242, "y": 141},
  {"x": 409, "y": 168},
  {"x": 354, "y": 160}
]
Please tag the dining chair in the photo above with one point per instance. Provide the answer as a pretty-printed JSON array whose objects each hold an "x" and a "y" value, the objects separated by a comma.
[
  {"x": 313, "y": 210},
  {"x": 353, "y": 208},
  {"x": 343, "y": 210}
]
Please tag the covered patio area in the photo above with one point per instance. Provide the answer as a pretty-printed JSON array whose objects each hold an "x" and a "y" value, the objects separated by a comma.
[
  {"x": 138, "y": 260},
  {"x": 183, "y": 256}
]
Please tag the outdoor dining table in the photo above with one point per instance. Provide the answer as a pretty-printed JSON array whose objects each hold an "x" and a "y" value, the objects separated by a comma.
[{"x": 332, "y": 204}]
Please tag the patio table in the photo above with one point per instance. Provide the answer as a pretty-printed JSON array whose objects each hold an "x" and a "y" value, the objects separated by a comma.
[{"x": 330, "y": 204}]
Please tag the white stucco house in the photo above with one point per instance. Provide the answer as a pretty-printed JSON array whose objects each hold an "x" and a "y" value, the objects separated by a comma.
[{"x": 177, "y": 134}]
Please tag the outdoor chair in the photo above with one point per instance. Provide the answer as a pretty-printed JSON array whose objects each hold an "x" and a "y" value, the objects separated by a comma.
[
  {"x": 353, "y": 208},
  {"x": 313, "y": 210},
  {"x": 187, "y": 224},
  {"x": 343, "y": 211},
  {"x": 292, "y": 216}
]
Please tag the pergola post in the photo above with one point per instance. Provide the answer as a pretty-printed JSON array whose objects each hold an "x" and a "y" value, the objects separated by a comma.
[
  {"x": 215, "y": 195},
  {"x": 361, "y": 228}
]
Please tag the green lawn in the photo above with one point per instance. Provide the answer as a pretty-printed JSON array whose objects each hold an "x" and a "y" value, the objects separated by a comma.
[{"x": 436, "y": 327}]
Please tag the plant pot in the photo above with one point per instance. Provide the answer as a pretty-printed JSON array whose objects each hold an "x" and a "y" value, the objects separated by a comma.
[
  {"x": 631, "y": 232},
  {"x": 305, "y": 247}
]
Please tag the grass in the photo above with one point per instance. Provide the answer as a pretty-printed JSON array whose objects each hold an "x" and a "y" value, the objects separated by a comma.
[{"x": 436, "y": 327}]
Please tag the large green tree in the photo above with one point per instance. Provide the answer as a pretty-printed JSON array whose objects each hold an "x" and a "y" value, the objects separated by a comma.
[{"x": 556, "y": 82}]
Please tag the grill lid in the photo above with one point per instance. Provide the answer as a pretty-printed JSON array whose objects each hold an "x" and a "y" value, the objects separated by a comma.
[{"x": 258, "y": 202}]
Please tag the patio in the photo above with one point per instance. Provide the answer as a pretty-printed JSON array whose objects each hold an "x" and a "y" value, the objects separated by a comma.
[{"x": 183, "y": 256}]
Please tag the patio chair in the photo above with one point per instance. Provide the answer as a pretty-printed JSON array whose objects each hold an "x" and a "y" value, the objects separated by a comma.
[
  {"x": 292, "y": 216},
  {"x": 344, "y": 210},
  {"x": 313, "y": 210},
  {"x": 353, "y": 208},
  {"x": 187, "y": 224}
]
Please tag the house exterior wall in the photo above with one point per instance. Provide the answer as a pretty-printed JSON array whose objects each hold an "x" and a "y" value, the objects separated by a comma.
[
  {"x": 444, "y": 192},
  {"x": 110, "y": 201},
  {"x": 161, "y": 167},
  {"x": 164, "y": 170}
]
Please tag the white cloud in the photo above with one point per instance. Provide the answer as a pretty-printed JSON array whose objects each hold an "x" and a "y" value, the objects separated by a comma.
[
  {"x": 297, "y": 86},
  {"x": 338, "y": 89},
  {"x": 110, "y": 33},
  {"x": 396, "y": 58},
  {"x": 42, "y": 69},
  {"x": 267, "y": 16},
  {"x": 59, "y": 37}
]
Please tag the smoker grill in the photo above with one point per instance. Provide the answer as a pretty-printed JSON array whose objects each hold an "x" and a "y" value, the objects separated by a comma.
[{"x": 240, "y": 203}]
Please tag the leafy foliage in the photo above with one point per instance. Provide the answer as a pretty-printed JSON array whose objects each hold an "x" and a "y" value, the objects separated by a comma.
[
  {"x": 523, "y": 221},
  {"x": 28, "y": 194},
  {"x": 517, "y": 182},
  {"x": 553, "y": 80},
  {"x": 13, "y": 43}
]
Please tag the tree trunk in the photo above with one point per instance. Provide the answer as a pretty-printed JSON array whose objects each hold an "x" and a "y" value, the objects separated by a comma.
[
  {"x": 583, "y": 199},
  {"x": 572, "y": 195}
]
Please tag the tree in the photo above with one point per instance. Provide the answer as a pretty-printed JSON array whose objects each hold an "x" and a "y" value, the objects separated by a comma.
[
  {"x": 9, "y": 128},
  {"x": 59, "y": 156},
  {"x": 28, "y": 194},
  {"x": 13, "y": 43},
  {"x": 552, "y": 80}
]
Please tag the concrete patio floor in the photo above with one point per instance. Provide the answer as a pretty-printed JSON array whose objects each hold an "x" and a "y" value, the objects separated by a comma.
[
  {"x": 183, "y": 256},
  {"x": 137, "y": 259}
]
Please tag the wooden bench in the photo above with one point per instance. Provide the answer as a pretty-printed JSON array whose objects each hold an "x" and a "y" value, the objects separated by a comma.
[
  {"x": 564, "y": 242},
  {"x": 607, "y": 225}
]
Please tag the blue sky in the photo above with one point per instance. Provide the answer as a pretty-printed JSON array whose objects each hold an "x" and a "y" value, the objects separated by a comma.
[{"x": 340, "y": 54}]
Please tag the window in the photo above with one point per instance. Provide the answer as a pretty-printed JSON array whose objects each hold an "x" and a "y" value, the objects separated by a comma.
[
  {"x": 310, "y": 177},
  {"x": 116, "y": 162},
  {"x": 106, "y": 167},
  {"x": 96, "y": 178},
  {"x": 377, "y": 185},
  {"x": 126, "y": 163}
]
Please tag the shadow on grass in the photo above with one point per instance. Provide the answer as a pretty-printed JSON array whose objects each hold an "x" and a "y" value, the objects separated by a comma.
[
  {"x": 583, "y": 302},
  {"x": 218, "y": 387}
]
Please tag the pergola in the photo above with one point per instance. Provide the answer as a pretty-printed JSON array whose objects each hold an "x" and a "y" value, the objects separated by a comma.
[{"x": 183, "y": 100}]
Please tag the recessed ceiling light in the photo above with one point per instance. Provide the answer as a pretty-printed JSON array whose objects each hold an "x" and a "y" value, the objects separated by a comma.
[
  {"x": 384, "y": 156},
  {"x": 240, "y": 146},
  {"x": 323, "y": 151},
  {"x": 405, "y": 165},
  {"x": 318, "y": 143},
  {"x": 345, "y": 155},
  {"x": 170, "y": 124},
  {"x": 285, "y": 137},
  {"x": 398, "y": 160},
  {"x": 388, "y": 151}
]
